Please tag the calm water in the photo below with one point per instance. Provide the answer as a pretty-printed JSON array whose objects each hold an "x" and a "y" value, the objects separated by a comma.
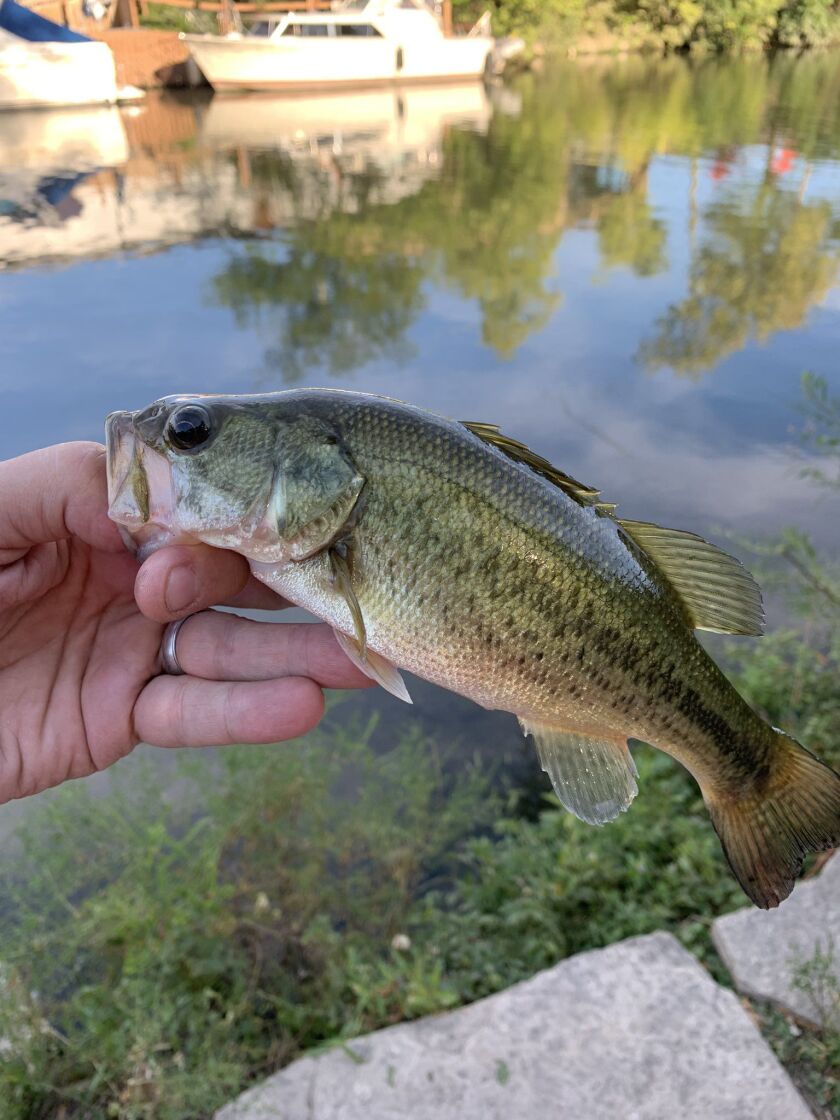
[{"x": 628, "y": 265}]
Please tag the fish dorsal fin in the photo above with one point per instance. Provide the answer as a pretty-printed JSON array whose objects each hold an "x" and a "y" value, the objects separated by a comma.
[
  {"x": 594, "y": 779},
  {"x": 716, "y": 589},
  {"x": 519, "y": 453}
]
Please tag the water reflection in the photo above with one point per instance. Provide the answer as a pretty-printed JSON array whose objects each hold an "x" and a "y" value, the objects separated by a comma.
[
  {"x": 352, "y": 203},
  {"x": 357, "y": 199},
  {"x": 44, "y": 159},
  {"x": 576, "y": 154},
  {"x": 765, "y": 258},
  {"x": 174, "y": 171}
]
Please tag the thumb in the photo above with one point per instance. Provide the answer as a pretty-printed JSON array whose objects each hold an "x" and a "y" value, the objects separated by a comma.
[{"x": 52, "y": 494}]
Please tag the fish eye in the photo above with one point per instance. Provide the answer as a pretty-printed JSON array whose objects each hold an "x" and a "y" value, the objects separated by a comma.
[{"x": 189, "y": 428}]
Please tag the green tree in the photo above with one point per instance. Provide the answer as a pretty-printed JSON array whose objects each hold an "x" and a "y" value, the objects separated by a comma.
[{"x": 670, "y": 25}]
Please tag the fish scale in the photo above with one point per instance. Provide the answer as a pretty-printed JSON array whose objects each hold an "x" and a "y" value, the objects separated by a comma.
[
  {"x": 494, "y": 509},
  {"x": 457, "y": 553}
]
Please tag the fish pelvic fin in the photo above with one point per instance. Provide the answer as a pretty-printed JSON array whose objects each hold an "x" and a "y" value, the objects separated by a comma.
[
  {"x": 594, "y": 779},
  {"x": 375, "y": 666},
  {"x": 767, "y": 835}
]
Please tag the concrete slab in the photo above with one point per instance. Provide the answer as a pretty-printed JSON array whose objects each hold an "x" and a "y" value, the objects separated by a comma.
[
  {"x": 638, "y": 1031},
  {"x": 761, "y": 948}
]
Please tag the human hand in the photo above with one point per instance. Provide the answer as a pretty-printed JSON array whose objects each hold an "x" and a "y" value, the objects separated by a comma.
[{"x": 81, "y": 625}]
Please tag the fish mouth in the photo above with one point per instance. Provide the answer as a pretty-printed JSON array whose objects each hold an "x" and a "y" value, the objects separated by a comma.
[
  {"x": 128, "y": 488},
  {"x": 140, "y": 496}
]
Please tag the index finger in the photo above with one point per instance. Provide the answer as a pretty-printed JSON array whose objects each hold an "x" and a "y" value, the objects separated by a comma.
[
  {"x": 183, "y": 579},
  {"x": 52, "y": 494}
]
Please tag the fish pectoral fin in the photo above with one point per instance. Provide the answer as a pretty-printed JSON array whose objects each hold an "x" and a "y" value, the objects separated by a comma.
[
  {"x": 716, "y": 589},
  {"x": 375, "y": 666},
  {"x": 343, "y": 580},
  {"x": 595, "y": 779}
]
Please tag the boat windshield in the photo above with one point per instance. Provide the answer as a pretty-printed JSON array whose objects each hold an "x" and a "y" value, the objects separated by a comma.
[
  {"x": 360, "y": 5},
  {"x": 264, "y": 27},
  {"x": 332, "y": 30}
]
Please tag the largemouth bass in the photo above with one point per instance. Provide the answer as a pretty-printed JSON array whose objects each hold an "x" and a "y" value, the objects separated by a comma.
[{"x": 454, "y": 552}]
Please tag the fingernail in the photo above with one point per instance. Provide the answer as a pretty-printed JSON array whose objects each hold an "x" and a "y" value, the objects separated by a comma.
[{"x": 180, "y": 589}]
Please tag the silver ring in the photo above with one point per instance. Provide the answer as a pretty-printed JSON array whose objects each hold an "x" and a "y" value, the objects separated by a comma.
[{"x": 168, "y": 648}]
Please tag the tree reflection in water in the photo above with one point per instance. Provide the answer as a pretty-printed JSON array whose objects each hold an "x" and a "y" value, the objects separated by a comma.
[{"x": 342, "y": 283}]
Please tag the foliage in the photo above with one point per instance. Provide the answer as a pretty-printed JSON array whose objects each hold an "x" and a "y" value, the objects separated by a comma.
[
  {"x": 538, "y": 891},
  {"x": 166, "y": 18},
  {"x": 618, "y": 25},
  {"x": 817, "y": 978},
  {"x": 736, "y": 25},
  {"x": 821, "y": 434},
  {"x": 158, "y": 955},
  {"x": 718, "y": 25},
  {"x": 792, "y": 676},
  {"x": 792, "y": 679},
  {"x": 812, "y": 1058},
  {"x": 519, "y": 17},
  {"x": 807, "y": 23}
]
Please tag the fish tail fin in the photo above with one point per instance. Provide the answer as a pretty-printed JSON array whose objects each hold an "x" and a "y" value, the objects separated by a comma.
[{"x": 767, "y": 834}]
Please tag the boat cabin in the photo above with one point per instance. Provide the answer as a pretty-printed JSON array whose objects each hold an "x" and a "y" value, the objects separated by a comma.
[{"x": 357, "y": 19}]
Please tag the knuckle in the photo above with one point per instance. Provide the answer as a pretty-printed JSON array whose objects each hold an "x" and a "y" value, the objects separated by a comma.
[
  {"x": 229, "y": 712},
  {"x": 226, "y": 656}
]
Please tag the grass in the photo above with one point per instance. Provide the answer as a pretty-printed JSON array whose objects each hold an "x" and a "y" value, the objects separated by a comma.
[
  {"x": 163, "y": 17},
  {"x": 158, "y": 955}
]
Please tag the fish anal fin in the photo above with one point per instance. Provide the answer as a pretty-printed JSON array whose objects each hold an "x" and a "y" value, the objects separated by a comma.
[
  {"x": 594, "y": 778},
  {"x": 716, "y": 590},
  {"x": 520, "y": 453},
  {"x": 375, "y": 666}
]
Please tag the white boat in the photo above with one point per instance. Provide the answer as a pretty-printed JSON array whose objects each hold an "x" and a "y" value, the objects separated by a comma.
[
  {"x": 43, "y": 64},
  {"x": 359, "y": 42}
]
